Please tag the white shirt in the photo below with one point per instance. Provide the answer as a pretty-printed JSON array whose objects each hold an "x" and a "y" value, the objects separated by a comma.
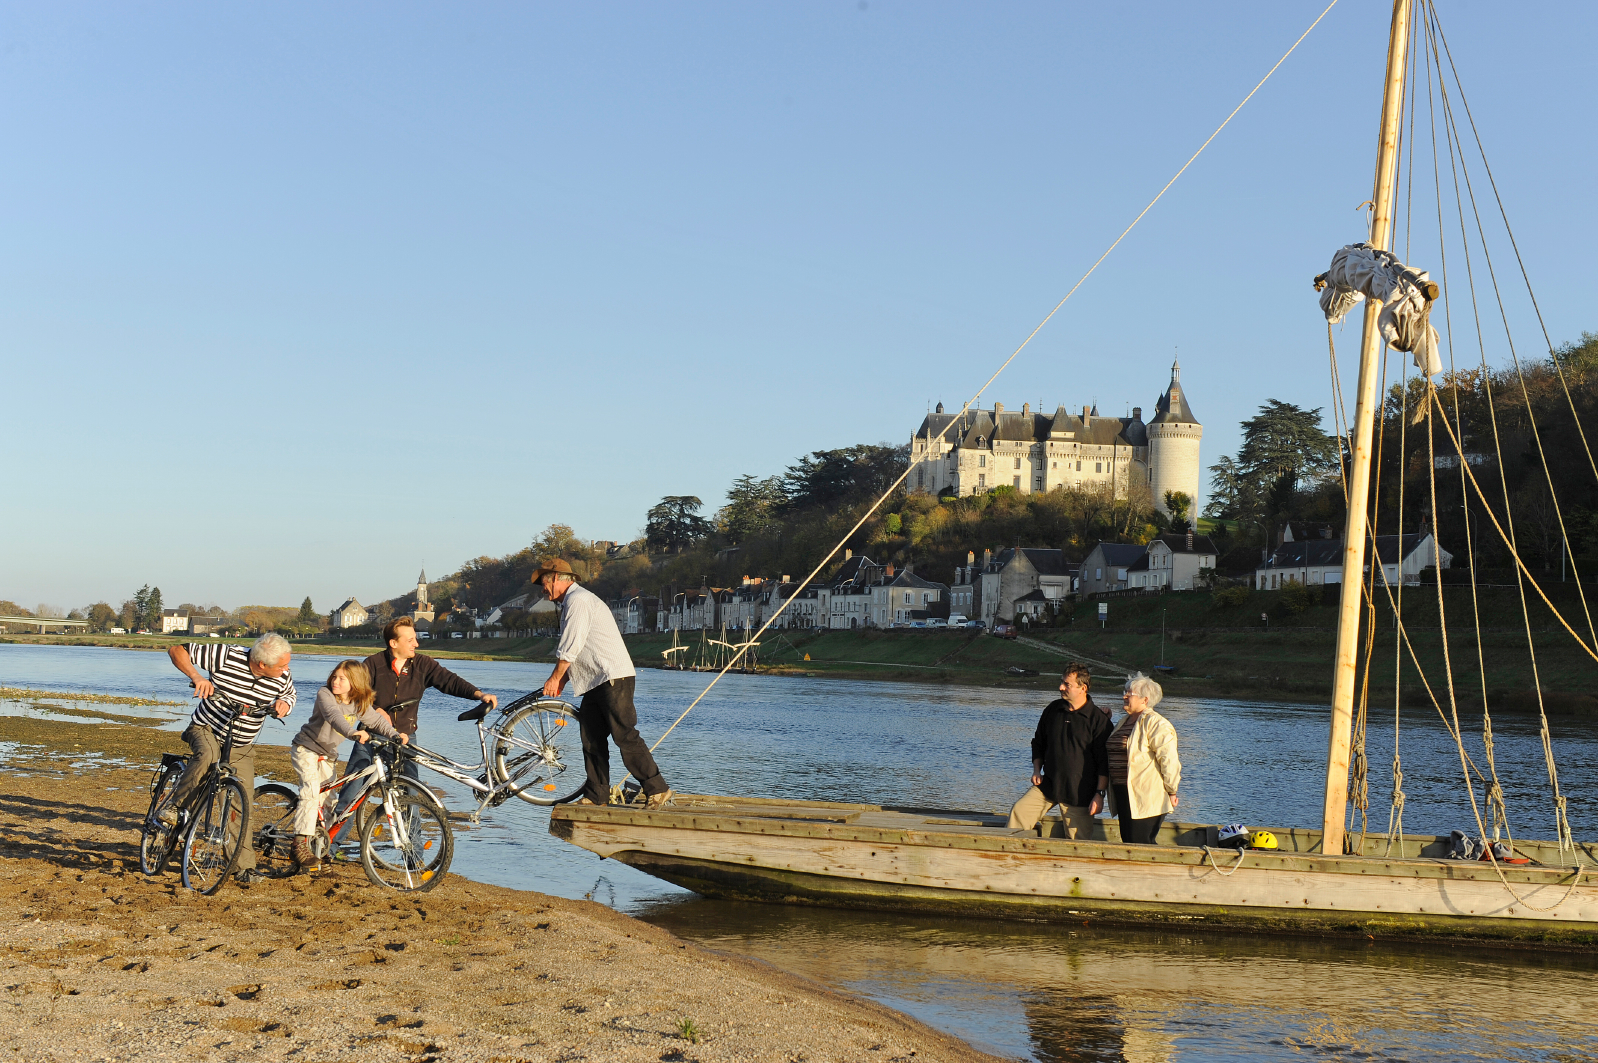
[{"x": 590, "y": 641}]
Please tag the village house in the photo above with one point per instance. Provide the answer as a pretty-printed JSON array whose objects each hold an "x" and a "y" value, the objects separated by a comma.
[
  {"x": 1174, "y": 561},
  {"x": 174, "y": 620},
  {"x": 1040, "y": 576},
  {"x": 1318, "y": 562},
  {"x": 351, "y": 614},
  {"x": 1107, "y": 568}
]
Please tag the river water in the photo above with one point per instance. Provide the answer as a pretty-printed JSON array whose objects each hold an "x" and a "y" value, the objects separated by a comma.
[{"x": 1023, "y": 990}]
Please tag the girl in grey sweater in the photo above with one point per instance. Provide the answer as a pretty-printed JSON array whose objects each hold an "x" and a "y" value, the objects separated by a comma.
[{"x": 343, "y": 710}]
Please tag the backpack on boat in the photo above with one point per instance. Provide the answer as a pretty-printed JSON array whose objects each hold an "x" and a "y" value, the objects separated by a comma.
[{"x": 1463, "y": 847}]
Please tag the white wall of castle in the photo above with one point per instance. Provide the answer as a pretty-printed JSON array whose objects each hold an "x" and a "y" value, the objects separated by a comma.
[
  {"x": 1027, "y": 467},
  {"x": 1174, "y": 462}
]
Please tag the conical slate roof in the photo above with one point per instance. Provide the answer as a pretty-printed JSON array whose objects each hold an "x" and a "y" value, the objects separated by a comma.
[{"x": 1172, "y": 407}]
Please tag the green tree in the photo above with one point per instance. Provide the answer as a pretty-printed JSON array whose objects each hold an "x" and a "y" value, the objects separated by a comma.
[
  {"x": 841, "y": 477},
  {"x": 751, "y": 507},
  {"x": 1178, "y": 503},
  {"x": 1286, "y": 440},
  {"x": 101, "y": 617},
  {"x": 152, "y": 609},
  {"x": 141, "y": 608},
  {"x": 674, "y": 524},
  {"x": 307, "y": 614},
  {"x": 558, "y": 540}
]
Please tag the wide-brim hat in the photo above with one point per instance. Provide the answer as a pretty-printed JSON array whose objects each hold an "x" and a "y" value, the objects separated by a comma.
[{"x": 553, "y": 566}]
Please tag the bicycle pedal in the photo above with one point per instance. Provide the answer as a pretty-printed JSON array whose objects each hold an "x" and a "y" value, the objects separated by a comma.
[{"x": 497, "y": 799}]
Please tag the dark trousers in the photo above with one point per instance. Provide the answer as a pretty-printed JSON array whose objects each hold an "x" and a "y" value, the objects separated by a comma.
[
  {"x": 1135, "y": 831},
  {"x": 361, "y": 757},
  {"x": 606, "y": 713}
]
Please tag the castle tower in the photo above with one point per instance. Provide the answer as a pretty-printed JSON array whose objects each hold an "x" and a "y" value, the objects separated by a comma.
[
  {"x": 421, "y": 590},
  {"x": 1174, "y": 436}
]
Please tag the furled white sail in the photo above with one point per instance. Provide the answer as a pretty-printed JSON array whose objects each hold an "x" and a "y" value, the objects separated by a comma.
[{"x": 1359, "y": 271}]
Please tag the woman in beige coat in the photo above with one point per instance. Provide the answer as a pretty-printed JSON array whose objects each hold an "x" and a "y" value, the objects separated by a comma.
[{"x": 1144, "y": 768}]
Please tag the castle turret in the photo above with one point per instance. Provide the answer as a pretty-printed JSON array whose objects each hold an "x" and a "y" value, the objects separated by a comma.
[{"x": 1174, "y": 435}]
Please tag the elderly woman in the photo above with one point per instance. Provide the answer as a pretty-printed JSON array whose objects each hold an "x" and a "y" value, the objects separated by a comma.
[{"x": 1144, "y": 768}]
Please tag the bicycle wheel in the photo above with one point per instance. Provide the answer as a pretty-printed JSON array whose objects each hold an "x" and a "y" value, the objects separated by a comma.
[
  {"x": 272, "y": 828},
  {"x": 219, "y": 830},
  {"x": 539, "y": 751},
  {"x": 157, "y": 841},
  {"x": 409, "y": 846}
]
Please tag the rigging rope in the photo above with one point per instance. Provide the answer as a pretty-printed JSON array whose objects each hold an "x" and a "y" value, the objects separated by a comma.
[{"x": 960, "y": 417}]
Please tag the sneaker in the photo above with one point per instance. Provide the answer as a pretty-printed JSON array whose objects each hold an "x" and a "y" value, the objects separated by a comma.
[
  {"x": 247, "y": 878},
  {"x": 582, "y": 801},
  {"x": 305, "y": 857},
  {"x": 656, "y": 800},
  {"x": 167, "y": 817}
]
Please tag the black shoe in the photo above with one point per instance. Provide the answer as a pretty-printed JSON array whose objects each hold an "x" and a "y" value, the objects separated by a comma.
[{"x": 247, "y": 878}]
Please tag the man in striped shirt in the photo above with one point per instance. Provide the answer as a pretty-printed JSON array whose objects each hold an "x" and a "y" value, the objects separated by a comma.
[{"x": 253, "y": 677}]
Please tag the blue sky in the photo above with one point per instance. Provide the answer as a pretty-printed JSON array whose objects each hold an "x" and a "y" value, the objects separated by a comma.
[{"x": 297, "y": 298}]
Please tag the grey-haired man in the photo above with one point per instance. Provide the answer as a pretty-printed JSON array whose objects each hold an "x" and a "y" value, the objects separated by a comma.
[
  {"x": 594, "y": 659},
  {"x": 255, "y": 676}
]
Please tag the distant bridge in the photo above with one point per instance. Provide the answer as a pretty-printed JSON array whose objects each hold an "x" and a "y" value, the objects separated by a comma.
[{"x": 42, "y": 621}]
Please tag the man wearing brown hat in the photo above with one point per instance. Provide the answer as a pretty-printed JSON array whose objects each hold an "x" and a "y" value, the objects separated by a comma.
[{"x": 594, "y": 659}]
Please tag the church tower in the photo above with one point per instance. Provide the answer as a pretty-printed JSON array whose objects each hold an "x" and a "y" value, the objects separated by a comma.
[
  {"x": 424, "y": 608},
  {"x": 1174, "y": 436}
]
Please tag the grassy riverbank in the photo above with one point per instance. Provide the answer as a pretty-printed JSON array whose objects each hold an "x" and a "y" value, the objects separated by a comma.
[{"x": 1211, "y": 650}]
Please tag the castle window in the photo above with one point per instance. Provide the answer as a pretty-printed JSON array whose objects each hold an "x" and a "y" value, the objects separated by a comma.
[
  {"x": 1017, "y": 481},
  {"x": 1079, "y": 466},
  {"x": 1054, "y": 465},
  {"x": 1098, "y": 466},
  {"x": 921, "y": 477},
  {"x": 1017, "y": 463},
  {"x": 982, "y": 480},
  {"x": 982, "y": 461}
]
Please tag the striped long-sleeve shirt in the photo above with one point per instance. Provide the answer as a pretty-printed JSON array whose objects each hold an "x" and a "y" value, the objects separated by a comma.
[{"x": 229, "y": 668}]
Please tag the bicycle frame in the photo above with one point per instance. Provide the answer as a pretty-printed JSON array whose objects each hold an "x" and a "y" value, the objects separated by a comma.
[{"x": 474, "y": 776}]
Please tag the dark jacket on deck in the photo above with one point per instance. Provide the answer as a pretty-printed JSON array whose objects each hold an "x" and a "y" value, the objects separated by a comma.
[
  {"x": 423, "y": 672},
  {"x": 1071, "y": 746}
]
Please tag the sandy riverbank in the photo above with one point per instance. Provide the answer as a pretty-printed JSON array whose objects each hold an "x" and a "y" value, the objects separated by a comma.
[{"x": 101, "y": 962}]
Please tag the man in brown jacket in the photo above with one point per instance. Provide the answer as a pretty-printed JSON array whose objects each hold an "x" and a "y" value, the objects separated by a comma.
[{"x": 400, "y": 674}]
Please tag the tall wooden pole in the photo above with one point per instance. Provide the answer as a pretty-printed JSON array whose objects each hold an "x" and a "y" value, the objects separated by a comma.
[{"x": 1349, "y": 611}]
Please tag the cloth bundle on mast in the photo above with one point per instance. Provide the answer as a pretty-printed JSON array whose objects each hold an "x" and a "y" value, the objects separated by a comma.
[{"x": 1359, "y": 271}]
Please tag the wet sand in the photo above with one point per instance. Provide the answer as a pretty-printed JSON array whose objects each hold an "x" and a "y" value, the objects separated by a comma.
[{"x": 101, "y": 962}]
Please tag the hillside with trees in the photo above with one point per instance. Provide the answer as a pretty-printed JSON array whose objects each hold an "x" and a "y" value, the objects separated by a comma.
[
  {"x": 784, "y": 524},
  {"x": 1529, "y": 468}
]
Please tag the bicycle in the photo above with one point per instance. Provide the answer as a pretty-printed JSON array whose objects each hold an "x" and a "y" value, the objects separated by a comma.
[
  {"x": 532, "y": 742},
  {"x": 425, "y": 826},
  {"x": 212, "y": 824}
]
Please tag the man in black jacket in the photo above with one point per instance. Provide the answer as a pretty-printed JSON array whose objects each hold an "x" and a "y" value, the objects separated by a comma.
[
  {"x": 399, "y": 674},
  {"x": 1070, "y": 764}
]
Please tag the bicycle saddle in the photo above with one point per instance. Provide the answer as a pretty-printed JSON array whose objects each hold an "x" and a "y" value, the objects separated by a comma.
[{"x": 474, "y": 714}]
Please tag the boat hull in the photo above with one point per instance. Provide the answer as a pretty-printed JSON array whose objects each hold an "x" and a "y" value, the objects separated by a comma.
[{"x": 870, "y": 858}]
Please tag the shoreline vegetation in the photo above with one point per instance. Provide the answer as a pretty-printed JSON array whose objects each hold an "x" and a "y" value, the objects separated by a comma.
[
  {"x": 106, "y": 963},
  {"x": 1261, "y": 645}
]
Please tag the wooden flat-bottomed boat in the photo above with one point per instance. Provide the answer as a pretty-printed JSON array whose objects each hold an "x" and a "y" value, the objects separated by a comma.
[{"x": 970, "y": 863}]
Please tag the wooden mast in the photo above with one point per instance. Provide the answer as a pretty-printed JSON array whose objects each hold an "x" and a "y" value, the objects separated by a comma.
[{"x": 1350, "y": 609}]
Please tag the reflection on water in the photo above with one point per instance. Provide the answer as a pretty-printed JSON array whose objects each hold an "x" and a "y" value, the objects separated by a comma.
[
  {"x": 1056, "y": 993},
  {"x": 1045, "y": 992}
]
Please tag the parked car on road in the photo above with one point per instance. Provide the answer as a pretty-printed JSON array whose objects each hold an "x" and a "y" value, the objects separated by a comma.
[{"x": 1004, "y": 630}]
